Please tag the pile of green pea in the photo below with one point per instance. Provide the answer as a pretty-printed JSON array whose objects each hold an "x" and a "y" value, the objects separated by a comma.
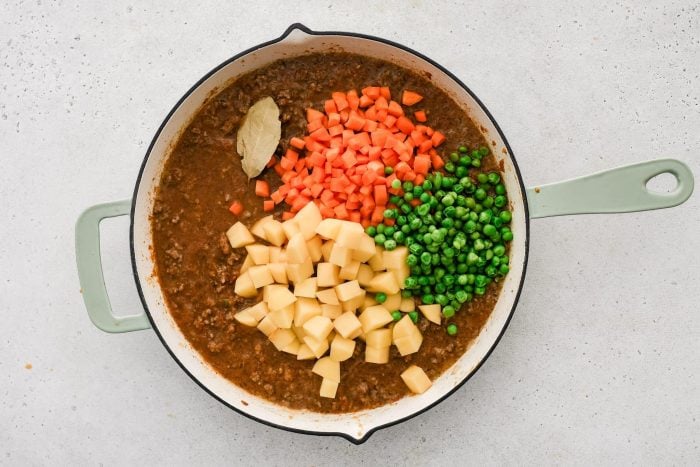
[{"x": 456, "y": 236}]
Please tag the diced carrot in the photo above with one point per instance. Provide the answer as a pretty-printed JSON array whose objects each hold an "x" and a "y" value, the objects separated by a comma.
[
  {"x": 395, "y": 109},
  {"x": 268, "y": 205},
  {"x": 335, "y": 130},
  {"x": 341, "y": 101},
  {"x": 437, "y": 161},
  {"x": 286, "y": 215},
  {"x": 371, "y": 113},
  {"x": 373, "y": 92},
  {"x": 421, "y": 164},
  {"x": 297, "y": 143},
  {"x": 425, "y": 146},
  {"x": 390, "y": 121},
  {"x": 355, "y": 122},
  {"x": 405, "y": 125},
  {"x": 236, "y": 208},
  {"x": 262, "y": 188},
  {"x": 410, "y": 98},
  {"x": 320, "y": 134},
  {"x": 330, "y": 107},
  {"x": 420, "y": 116},
  {"x": 380, "y": 195},
  {"x": 365, "y": 101},
  {"x": 381, "y": 103},
  {"x": 437, "y": 138},
  {"x": 313, "y": 114},
  {"x": 385, "y": 92},
  {"x": 333, "y": 119},
  {"x": 353, "y": 99}
]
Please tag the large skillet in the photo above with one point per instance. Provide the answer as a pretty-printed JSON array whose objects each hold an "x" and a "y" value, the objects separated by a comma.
[{"x": 619, "y": 190}]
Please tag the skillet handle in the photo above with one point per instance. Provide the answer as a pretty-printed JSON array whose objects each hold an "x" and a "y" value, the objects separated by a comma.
[
  {"x": 92, "y": 283},
  {"x": 622, "y": 189}
]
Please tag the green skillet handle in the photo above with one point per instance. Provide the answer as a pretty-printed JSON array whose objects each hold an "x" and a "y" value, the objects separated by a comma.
[
  {"x": 622, "y": 189},
  {"x": 92, "y": 282}
]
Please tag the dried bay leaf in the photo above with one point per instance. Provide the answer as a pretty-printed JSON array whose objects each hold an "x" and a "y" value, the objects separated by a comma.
[{"x": 259, "y": 136}]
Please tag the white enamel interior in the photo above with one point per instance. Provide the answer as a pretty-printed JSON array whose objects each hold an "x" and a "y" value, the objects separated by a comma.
[{"x": 355, "y": 425}]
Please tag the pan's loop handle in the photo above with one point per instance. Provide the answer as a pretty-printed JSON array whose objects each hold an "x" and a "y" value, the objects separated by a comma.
[
  {"x": 623, "y": 189},
  {"x": 92, "y": 283}
]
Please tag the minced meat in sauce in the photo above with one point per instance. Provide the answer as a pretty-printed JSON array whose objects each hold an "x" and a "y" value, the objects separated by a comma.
[{"x": 197, "y": 267}]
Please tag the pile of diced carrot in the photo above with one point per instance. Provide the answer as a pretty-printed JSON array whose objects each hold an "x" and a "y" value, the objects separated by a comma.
[{"x": 340, "y": 163}]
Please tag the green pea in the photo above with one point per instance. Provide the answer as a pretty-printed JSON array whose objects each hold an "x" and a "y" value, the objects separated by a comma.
[
  {"x": 507, "y": 236},
  {"x": 428, "y": 299},
  {"x": 505, "y": 216},
  {"x": 380, "y": 297},
  {"x": 499, "y": 201},
  {"x": 371, "y": 231},
  {"x": 494, "y": 178},
  {"x": 482, "y": 178},
  {"x": 408, "y": 196},
  {"x": 396, "y": 184},
  {"x": 452, "y": 329},
  {"x": 390, "y": 244},
  {"x": 490, "y": 230},
  {"x": 448, "y": 311},
  {"x": 480, "y": 194},
  {"x": 413, "y": 315},
  {"x": 379, "y": 239},
  {"x": 500, "y": 189},
  {"x": 463, "y": 149},
  {"x": 427, "y": 185},
  {"x": 388, "y": 170},
  {"x": 396, "y": 315}
]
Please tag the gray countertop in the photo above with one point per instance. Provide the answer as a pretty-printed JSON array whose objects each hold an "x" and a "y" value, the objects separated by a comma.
[{"x": 600, "y": 363}]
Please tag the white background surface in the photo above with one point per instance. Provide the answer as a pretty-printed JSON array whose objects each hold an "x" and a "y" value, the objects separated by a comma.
[{"x": 600, "y": 363}]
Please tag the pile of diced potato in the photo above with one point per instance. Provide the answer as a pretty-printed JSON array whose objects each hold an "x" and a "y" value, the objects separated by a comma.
[{"x": 314, "y": 275}]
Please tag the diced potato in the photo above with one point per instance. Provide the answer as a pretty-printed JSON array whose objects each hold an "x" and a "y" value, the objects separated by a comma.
[
  {"x": 238, "y": 235},
  {"x": 431, "y": 312},
  {"x": 349, "y": 271},
  {"x": 260, "y": 275},
  {"x": 318, "y": 327},
  {"x": 244, "y": 286},
  {"x": 329, "y": 228},
  {"x": 373, "y": 355},
  {"x": 384, "y": 282},
  {"x": 379, "y": 338},
  {"x": 308, "y": 219},
  {"x": 297, "y": 251},
  {"x": 246, "y": 318},
  {"x": 407, "y": 304},
  {"x": 283, "y": 317},
  {"x": 348, "y": 325},
  {"x": 327, "y": 368},
  {"x": 374, "y": 317},
  {"x": 328, "y": 388},
  {"x": 367, "y": 302},
  {"x": 293, "y": 348},
  {"x": 327, "y": 275},
  {"x": 318, "y": 348},
  {"x": 326, "y": 249},
  {"x": 314, "y": 246},
  {"x": 416, "y": 379},
  {"x": 257, "y": 228},
  {"x": 392, "y": 302},
  {"x": 247, "y": 263},
  {"x": 279, "y": 272},
  {"x": 275, "y": 253},
  {"x": 290, "y": 228},
  {"x": 305, "y": 353},
  {"x": 342, "y": 348},
  {"x": 299, "y": 331},
  {"x": 260, "y": 254},
  {"x": 274, "y": 233},
  {"x": 340, "y": 255},
  {"x": 350, "y": 235},
  {"x": 281, "y": 338},
  {"x": 348, "y": 290},
  {"x": 305, "y": 309},
  {"x": 259, "y": 310},
  {"x": 409, "y": 344},
  {"x": 280, "y": 297},
  {"x": 401, "y": 274},
  {"x": 365, "y": 249},
  {"x": 403, "y": 328},
  {"x": 365, "y": 275},
  {"x": 266, "y": 326},
  {"x": 331, "y": 335},
  {"x": 298, "y": 272},
  {"x": 306, "y": 288},
  {"x": 354, "y": 303},
  {"x": 327, "y": 296},
  {"x": 395, "y": 258},
  {"x": 331, "y": 311},
  {"x": 376, "y": 262}
]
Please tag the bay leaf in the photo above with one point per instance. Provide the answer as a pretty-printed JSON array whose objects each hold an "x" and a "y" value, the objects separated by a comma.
[{"x": 259, "y": 136}]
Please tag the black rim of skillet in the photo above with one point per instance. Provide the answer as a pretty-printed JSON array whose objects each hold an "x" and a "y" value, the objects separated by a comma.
[{"x": 303, "y": 28}]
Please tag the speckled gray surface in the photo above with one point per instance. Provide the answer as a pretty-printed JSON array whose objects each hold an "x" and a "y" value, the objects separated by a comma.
[{"x": 600, "y": 363}]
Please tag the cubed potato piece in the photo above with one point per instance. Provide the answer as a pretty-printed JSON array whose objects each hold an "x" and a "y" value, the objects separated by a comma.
[
  {"x": 275, "y": 253},
  {"x": 327, "y": 275},
  {"x": 280, "y": 297},
  {"x": 274, "y": 233},
  {"x": 305, "y": 309},
  {"x": 260, "y": 275},
  {"x": 246, "y": 318},
  {"x": 329, "y": 228},
  {"x": 306, "y": 288},
  {"x": 392, "y": 302},
  {"x": 347, "y": 325},
  {"x": 349, "y": 271},
  {"x": 283, "y": 317},
  {"x": 330, "y": 336},
  {"x": 341, "y": 348},
  {"x": 247, "y": 263},
  {"x": 281, "y": 338},
  {"x": 431, "y": 312},
  {"x": 290, "y": 227},
  {"x": 395, "y": 258},
  {"x": 318, "y": 348},
  {"x": 348, "y": 290},
  {"x": 327, "y": 296},
  {"x": 365, "y": 275},
  {"x": 376, "y": 262},
  {"x": 373, "y": 355},
  {"x": 244, "y": 286},
  {"x": 403, "y": 328},
  {"x": 367, "y": 302},
  {"x": 308, "y": 219},
  {"x": 331, "y": 311},
  {"x": 298, "y": 272},
  {"x": 318, "y": 327},
  {"x": 266, "y": 326},
  {"x": 354, "y": 303},
  {"x": 259, "y": 310},
  {"x": 401, "y": 274},
  {"x": 379, "y": 338},
  {"x": 409, "y": 344},
  {"x": 407, "y": 304},
  {"x": 364, "y": 250},
  {"x": 314, "y": 246},
  {"x": 260, "y": 254},
  {"x": 299, "y": 331},
  {"x": 293, "y": 348},
  {"x": 328, "y": 368},
  {"x": 416, "y": 379},
  {"x": 328, "y": 388},
  {"x": 305, "y": 353},
  {"x": 239, "y": 236},
  {"x": 340, "y": 255},
  {"x": 279, "y": 272},
  {"x": 350, "y": 235},
  {"x": 374, "y": 317},
  {"x": 297, "y": 251},
  {"x": 384, "y": 282},
  {"x": 257, "y": 228},
  {"x": 326, "y": 249}
]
